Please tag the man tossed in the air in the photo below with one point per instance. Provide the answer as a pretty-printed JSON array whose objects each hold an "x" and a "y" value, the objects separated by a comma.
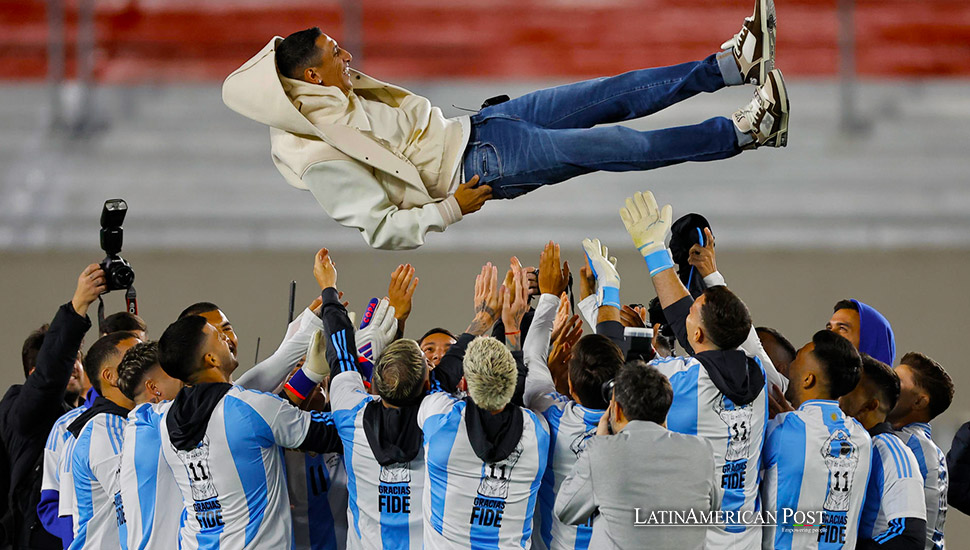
[{"x": 384, "y": 161}]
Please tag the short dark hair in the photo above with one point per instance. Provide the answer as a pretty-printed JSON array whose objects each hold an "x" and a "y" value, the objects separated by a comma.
[
  {"x": 882, "y": 378},
  {"x": 297, "y": 52},
  {"x": 32, "y": 347},
  {"x": 198, "y": 308},
  {"x": 845, "y": 304},
  {"x": 780, "y": 338},
  {"x": 136, "y": 362},
  {"x": 179, "y": 347},
  {"x": 643, "y": 392},
  {"x": 438, "y": 330},
  {"x": 725, "y": 317},
  {"x": 932, "y": 378},
  {"x": 100, "y": 352},
  {"x": 122, "y": 321},
  {"x": 595, "y": 360},
  {"x": 842, "y": 363}
]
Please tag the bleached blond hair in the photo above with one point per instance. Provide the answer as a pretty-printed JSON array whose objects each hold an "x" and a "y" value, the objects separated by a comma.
[{"x": 490, "y": 372}]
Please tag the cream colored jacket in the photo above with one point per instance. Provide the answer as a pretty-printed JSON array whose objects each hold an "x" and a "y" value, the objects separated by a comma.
[{"x": 392, "y": 184}]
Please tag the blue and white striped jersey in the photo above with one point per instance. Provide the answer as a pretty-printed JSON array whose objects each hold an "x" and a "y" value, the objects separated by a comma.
[
  {"x": 895, "y": 489},
  {"x": 318, "y": 499},
  {"x": 153, "y": 503},
  {"x": 735, "y": 431},
  {"x": 232, "y": 483},
  {"x": 816, "y": 470},
  {"x": 570, "y": 426},
  {"x": 469, "y": 503},
  {"x": 94, "y": 465},
  {"x": 932, "y": 467},
  {"x": 54, "y": 449},
  {"x": 385, "y": 503}
]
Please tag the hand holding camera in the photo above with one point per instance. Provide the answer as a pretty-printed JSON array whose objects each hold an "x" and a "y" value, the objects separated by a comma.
[{"x": 90, "y": 285}]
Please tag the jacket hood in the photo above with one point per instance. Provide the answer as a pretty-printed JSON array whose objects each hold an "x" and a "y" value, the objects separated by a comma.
[
  {"x": 189, "y": 415},
  {"x": 493, "y": 436},
  {"x": 393, "y": 434},
  {"x": 875, "y": 334},
  {"x": 739, "y": 377},
  {"x": 99, "y": 406},
  {"x": 256, "y": 91}
]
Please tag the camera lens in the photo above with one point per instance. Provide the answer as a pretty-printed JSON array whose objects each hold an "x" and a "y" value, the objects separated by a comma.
[{"x": 122, "y": 275}]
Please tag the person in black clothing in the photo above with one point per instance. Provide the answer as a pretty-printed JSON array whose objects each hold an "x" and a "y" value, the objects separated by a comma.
[
  {"x": 28, "y": 412},
  {"x": 958, "y": 466}
]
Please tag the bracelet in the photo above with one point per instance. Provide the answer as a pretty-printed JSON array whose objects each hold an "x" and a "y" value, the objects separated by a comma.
[{"x": 513, "y": 332}]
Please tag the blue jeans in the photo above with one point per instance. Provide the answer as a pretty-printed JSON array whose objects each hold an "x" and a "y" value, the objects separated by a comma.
[{"x": 548, "y": 136}]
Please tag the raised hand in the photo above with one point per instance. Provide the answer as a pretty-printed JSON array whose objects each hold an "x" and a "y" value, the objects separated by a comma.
[
  {"x": 702, "y": 257},
  {"x": 401, "y": 291},
  {"x": 377, "y": 332},
  {"x": 90, "y": 284},
  {"x": 553, "y": 277},
  {"x": 647, "y": 224},
  {"x": 632, "y": 317},
  {"x": 488, "y": 300},
  {"x": 562, "y": 315},
  {"x": 604, "y": 270},
  {"x": 324, "y": 270},
  {"x": 515, "y": 302}
]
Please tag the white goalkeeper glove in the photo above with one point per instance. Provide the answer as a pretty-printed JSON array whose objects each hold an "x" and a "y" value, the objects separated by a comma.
[
  {"x": 604, "y": 270},
  {"x": 648, "y": 226}
]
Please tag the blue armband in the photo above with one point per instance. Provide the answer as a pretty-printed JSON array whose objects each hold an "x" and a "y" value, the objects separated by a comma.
[
  {"x": 658, "y": 261},
  {"x": 610, "y": 297},
  {"x": 301, "y": 385}
]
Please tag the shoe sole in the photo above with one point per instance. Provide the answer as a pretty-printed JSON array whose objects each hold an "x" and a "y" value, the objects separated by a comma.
[
  {"x": 781, "y": 136},
  {"x": 768, "y": 24}
]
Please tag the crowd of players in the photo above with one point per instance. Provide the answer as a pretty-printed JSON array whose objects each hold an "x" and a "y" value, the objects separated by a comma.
[{"x": 519, "y": 432}]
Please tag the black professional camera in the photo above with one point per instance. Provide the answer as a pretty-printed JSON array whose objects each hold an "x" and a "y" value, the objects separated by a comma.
[{"x": 117, "y": 272}]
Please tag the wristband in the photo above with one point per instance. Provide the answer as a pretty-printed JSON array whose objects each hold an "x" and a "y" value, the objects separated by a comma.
[
  {"x": 301, "y": 385},
  {"x": 610, "y": 296},
  {"x": 513, "y": 332},
  {"x": 658, "y": 261}
]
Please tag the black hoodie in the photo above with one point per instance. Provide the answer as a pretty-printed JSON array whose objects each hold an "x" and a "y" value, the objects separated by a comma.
[
  {"x": 188, "y": 418},
  {"x": 101, "y": 405},
  {"x": 493, "y": 436}
]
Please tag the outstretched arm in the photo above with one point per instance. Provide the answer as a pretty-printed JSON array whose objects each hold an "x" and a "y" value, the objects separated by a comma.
[{"x": 37, "y": 408}]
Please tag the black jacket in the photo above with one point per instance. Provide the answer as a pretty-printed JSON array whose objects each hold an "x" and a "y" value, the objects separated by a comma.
[
  {"x": 958, "y": 466},
  {"x": 27, "y": 414}
]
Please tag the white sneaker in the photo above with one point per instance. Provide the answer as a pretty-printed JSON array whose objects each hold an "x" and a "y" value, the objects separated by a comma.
[
  {"x": 754, "y": 45},
  {"x": 766, "y": 117}
]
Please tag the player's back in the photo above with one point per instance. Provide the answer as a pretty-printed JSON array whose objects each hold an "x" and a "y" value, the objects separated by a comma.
[
  {"x": 932, "y": 467},
  {"x": 470, "y": 502},
  {"x": 895, "y": 491},
  {"x": 384, "y": 501},
  {"x": 816, "y": 463},
  {"x": 94, "y": 461},
  {"x": 153, "y": 503},
  {"x": 570, "y": 426},
  {"x": 317, "y": 484},
  {"x": 720, "y": 396},
  {"x": 222, "y": 444}
]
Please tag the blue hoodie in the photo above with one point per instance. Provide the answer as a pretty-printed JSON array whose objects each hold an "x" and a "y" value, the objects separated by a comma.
[{"x": 875, "y": 334}]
